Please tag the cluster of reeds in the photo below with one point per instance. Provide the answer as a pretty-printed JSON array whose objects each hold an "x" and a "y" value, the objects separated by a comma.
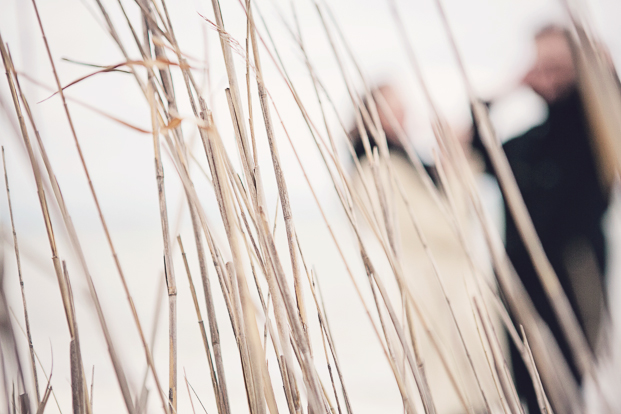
[{"x": 248, "y": 261}]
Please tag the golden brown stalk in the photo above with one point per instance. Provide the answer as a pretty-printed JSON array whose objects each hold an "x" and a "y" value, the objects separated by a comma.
[
  {"x": 77, "y": 372},
  {"x": 320, "y": 150},
  {"x": 21, "y": 282},
  {"x": 542, "y": 399},
  {"x": 168, "y": 264},
  {"x": 290, "y": 86},
  {"x": 280, "y": 179},
  {"x": 315, "y": 395},
  {"x": 397, "y": 377},
  {"x": 213, "y": 327},
  {"x": 189, "y": 81},
  {"x": 248, "y": 89},
  {"x": 214, "y": 379},
  {"x": 248, "y": 338},
  {"x": 599, "y": 87},
  {"x": 387, "y": 215},
  {"x": 36, "y": 356},
  {"x": 46, "y": 396},
  {"x": 92, "y": 387},
  {"x": 118, "y": 369},
  {"x": 64, "y": 290}
]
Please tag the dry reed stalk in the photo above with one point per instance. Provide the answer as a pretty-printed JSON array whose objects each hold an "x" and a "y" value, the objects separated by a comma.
[
  {"x": 248, "y": 331},
  {"x": 168, "y": 264},
  {"x": 408, "y": 408},
  {"x": 397, "y": 376},
  {"x": 214, "y": 378},
  {"x": 46, "y": 396},
  {"x": 599, "y": 87},
  {"x": 213, "y": 327},
  {"x": 388, "y": 212},
  {"x": 188, "y": 77},
  {"x": 542, "y": 399},
  {"x": 325, "y": 350},
  {"x": 437, "y": 276},
  {"x": 8, "y": 338},
  {"x": 21, "y": 282},
  {"x": 444, "y": 364},
  {"x": 118, "y": 369},
  {"x": 325, "y": 329},
  {"x": 495, "y": 346},
  {"x": 215, "y": 336},
  {"x": 47, "y": 378},
  {"x": 489, "y": 359},
  {"x": 290, "y": 388},
  {"x": 423, "y": 387},
  {"x": 216, "y": 256},
  {"x": 279, "y": 308},
  {"x": 187, "y": 385},
  {"x": 309, "y": 122},
  {"x": 298, "y": 331},
  {"x": 62, "y": 281},
  {"x": 231, "y": 287},
  {"x": 92, "y": 387},
  {"x": 248, "y": 89},
  {"x": 371, "y": 118},
  {"x": 78, "y": 381},
  {"x": 68, "y": 221},
  {"x": 240, "y": 128},
  {"x": 255, "y": 402},
  {"x": 259, "y": 76},
  {"x": 5, "y": 383},
  {"x": 211, "y": 313},
  {"x": 226, "y": 288},
  {"x": 280, "y": 342},
  {"x": 166, "y": 80},
  {"x": 498, "y": 365},
  {"x": 280, "y": 180},
  {"x": 14, "y": 405}
]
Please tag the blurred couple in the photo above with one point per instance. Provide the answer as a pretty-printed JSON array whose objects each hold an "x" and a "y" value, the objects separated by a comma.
[{"x": 560, "y": 176}]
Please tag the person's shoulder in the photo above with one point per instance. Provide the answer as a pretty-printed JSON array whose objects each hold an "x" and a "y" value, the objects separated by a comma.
[{"x": 526, "y": 140}]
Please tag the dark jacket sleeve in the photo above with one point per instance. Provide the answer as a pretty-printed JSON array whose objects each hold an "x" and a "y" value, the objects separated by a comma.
[{"x": 477, "y": 144}]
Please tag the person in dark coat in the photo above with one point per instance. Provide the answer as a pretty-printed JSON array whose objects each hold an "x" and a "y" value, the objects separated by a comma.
[{"x": 557, "y": 171}]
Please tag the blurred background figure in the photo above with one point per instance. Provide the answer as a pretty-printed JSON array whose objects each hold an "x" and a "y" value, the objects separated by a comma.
[
  {"x": 561, "y": 180},
  {"x": 391, "y": 97},
  {"x": 449, "y": 397}
]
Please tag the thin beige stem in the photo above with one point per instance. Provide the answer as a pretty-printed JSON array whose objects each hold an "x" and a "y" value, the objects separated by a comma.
[{"x": 21, "y": 282}]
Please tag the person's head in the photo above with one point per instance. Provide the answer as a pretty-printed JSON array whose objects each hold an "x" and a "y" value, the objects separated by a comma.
[
  {"x": 392, "y": 98},
  {"x": 385, "y": 96},
  {"x": 554, "y": 74}
]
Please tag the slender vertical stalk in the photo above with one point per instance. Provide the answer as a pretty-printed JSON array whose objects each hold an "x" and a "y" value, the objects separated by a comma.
[
  {"x": 214, "y": 378},
  {"x": 62, "y": 282},
  {"x": 170, "y": 275},
  {"x": 21, "y": 282},
  {"x": 77, "y": 372}
]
